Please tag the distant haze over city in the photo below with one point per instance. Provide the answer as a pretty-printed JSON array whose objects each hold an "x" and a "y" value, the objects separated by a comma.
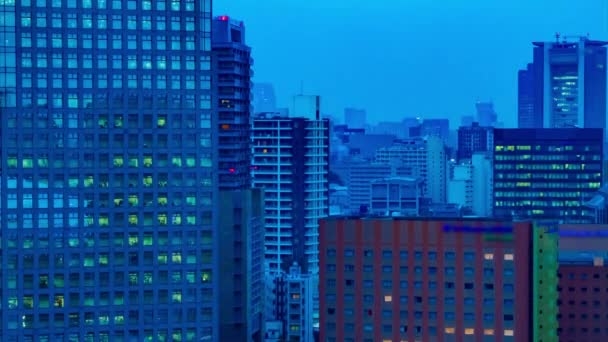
[{"x": 398, "y": 59}]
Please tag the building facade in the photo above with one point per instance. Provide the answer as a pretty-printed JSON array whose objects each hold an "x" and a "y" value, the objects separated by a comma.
[
  {"x": 435, "y": 127},
  {"x": 360, "y": 175},
  {"x": 527, "y": 99},
  {"x": 399, "y": 196},
  {"x": 241, "y": 208},
  {"x": 547, "y": 173},
  {"x": 582, "y": 283},
  {"x": 460, "y": 187},
  {"x": 483, "y": 184},
  {"x": 232, "y": 101},
  {"x": 473, "y": 138},
  {"x": 567, "y": 83},
  {"x": 291, "y": 163},
  {"x": 307, "y": 106},
  {"x": 355, "y": 118},
  {"x": 486, "y": 115},
  {"x": 429, "y": 280},
  {"x": 427, "y": 156},
  {"x": 107, "y": 171}
]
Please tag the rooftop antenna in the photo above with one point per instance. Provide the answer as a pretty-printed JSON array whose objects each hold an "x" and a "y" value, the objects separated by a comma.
[{"x": 557, "y": 37}]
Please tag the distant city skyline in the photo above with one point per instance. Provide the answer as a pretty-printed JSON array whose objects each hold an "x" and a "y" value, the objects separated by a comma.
[{"x": 452, "y": 66}]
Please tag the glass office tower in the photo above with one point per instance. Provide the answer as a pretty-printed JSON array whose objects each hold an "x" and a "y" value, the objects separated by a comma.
[
  {"x": 547, "y": 173},
  {"x": 106, "y": 173}
]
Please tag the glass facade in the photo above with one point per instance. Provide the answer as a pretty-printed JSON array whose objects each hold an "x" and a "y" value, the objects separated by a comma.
[
  {"x": 106, "y": 173},
  {"x": 546, "y": 173}
]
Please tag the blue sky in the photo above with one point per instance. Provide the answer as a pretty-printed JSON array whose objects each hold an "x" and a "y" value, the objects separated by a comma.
[{"x": 401, "y": 58}]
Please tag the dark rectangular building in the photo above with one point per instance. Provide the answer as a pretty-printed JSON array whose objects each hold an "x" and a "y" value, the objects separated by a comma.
[
  {"x": 395, "y": 279},
  {"x": 473, "y": 138},
  {"x": 526, "y": 100},
  {"x": 547, "y": 173}
]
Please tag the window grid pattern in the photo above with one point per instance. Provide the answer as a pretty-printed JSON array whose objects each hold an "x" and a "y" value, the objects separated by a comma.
[{"x": 107, "y": 188}]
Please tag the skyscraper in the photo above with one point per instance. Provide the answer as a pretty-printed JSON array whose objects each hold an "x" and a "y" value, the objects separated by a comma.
[
  {"x": 355, "y": 118},
  {"x": 232, "y": 61},
  {"x": 527, "y": 100},
  {"x": 241, "y": 226},
  {"x": 107, "y": 171},
  {"x": 264, "y": 98},
  {"x": 547, "y": 173},
  {"x": 567, "y": 80},
  {"x": 473, "y": 138},
  {"x": 486, "y": 116},
  {"x": 291, "y": 163}
]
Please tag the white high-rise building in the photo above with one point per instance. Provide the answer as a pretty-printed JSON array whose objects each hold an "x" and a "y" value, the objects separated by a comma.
[
  {"x": 291, "y": 163},
  {"x": 471, "y": 185},
  {"x": 460, "y": 186}
]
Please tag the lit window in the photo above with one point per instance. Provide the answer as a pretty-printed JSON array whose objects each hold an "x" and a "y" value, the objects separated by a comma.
[
  {"x": 469, "y": 331},
  {"x": 488, "y": 256},
  {"x": 176, "y": 257},
  {"x": 59, "y": 301},
  {"x": 509, "y": 256},
  {"x": 388, "y": 298},
  {"x": 133, "y": 200},
  {"x": 488, "y": 332},
  {"x": 508, "y": 332},
  {"x": 449, "y": 330},
  {"x": 133, "y": 219},
  {"x": 118, "y": 161},
  {"x": 104, "y": 221}
]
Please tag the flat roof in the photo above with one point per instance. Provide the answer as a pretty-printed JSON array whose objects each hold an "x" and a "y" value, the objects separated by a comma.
[{"x": 409, "y": 218}]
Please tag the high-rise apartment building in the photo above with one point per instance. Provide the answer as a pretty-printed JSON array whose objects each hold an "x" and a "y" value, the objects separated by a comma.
[
  {"x": 565, "y": 86},
  {"x": 232, "y": 71},
  {"x": 291, "y": 163},
  {"x": 107, "y": 171},
  {"x": 473, "y": 138},
  {"x": 307, "y": 106},
  {"x": 241, "y": 208},
  {"x": 547, "y": 173},
  {"x": 396, "y": 279}
]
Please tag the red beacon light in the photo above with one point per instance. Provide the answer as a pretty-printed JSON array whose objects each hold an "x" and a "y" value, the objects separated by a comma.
[
  {"x": 224, "y": 18},
  {"x": 231, "y": 170}
]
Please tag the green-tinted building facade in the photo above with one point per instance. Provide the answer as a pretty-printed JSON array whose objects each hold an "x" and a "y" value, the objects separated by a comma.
[{"x": 547, "y": 173}]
